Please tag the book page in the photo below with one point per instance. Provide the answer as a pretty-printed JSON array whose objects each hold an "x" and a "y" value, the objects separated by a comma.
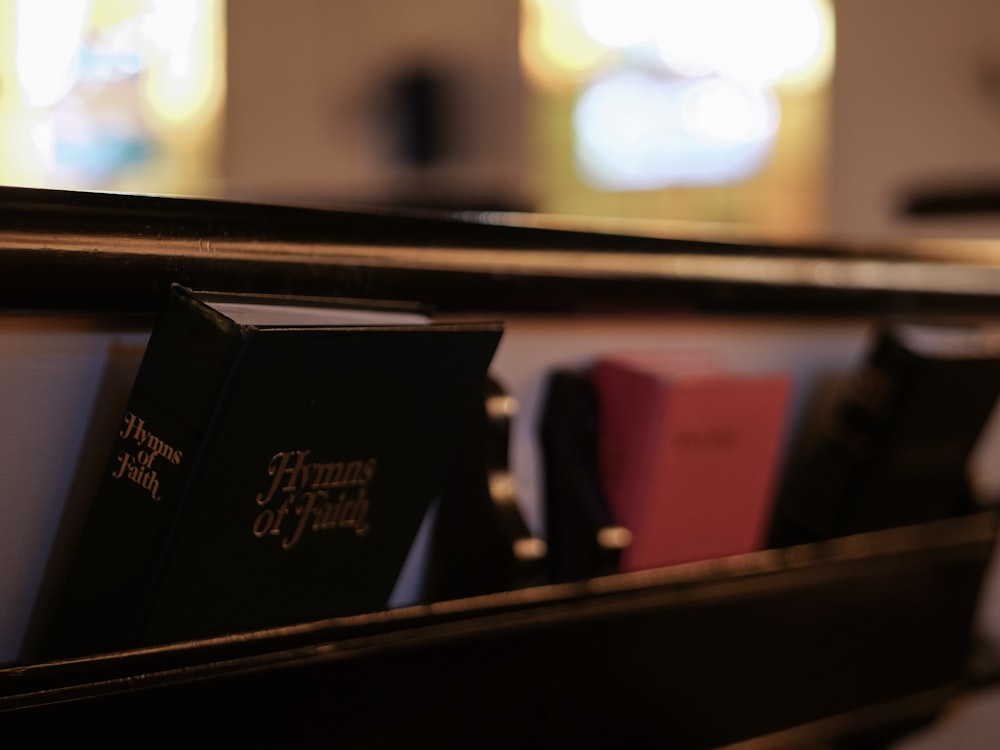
[{"x": 278, "y": 315}]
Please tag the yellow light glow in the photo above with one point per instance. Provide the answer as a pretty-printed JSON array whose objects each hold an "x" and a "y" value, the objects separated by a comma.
[
  {"x": 17, "y": 166},
  {"x": 555, "y": 50},
  {"x": 815, "y": 65},
  {"x": 184, "y": 82},
  {"x": 787, "y": 43},
  {"x": 111, "y": 94}
]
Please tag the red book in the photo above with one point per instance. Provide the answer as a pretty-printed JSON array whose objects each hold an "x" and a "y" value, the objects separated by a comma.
[{"x": 689, "y": 454}]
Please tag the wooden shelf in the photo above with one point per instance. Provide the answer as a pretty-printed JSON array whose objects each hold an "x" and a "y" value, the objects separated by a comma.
[
  {"x": 801, "y": 646},
  {"x": 817, "y": 642}
]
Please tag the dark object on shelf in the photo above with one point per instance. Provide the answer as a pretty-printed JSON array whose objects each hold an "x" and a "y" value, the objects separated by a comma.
[
  {"x": 583, "y": 537},
  {"x": 978, "y": 199},
  {"x": 895, "y": 449},
  {"x": 481, "y": 543},
  {"x": 417, "y": 117}
]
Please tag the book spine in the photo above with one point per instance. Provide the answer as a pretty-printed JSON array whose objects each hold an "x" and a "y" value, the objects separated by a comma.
[
  {"x": 895, "y": 451},
  {"x": 584, "y": 540},
  {"x": 104, "y": 590},
  {"x": 630, "y": 402},
  {"x": 825, "y": 480},
  {"x": 922, "y": 473},
  {"x": 481, "y": 542}
]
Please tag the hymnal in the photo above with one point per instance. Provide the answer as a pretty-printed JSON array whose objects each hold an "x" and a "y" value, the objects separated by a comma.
[
  {"x": 273, "y": 465},
  {"x": 689, "y": 454},
  {"x": 895, "y": 447}
]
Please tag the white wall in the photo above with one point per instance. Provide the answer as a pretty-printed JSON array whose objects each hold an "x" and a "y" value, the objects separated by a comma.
[
  {"x": 916, "y": 103},
  {"x": 306, "y": 94}
]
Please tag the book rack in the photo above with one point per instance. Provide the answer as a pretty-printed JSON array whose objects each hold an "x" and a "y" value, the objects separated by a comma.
[
  {"x": 847, "y": 641},
  {"x": 802, "y": 645}
]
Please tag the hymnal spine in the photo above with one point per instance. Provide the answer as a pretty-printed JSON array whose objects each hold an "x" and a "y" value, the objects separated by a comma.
[
  {"x": 896, "y": 448},
  {"x": 584, "y": 539},
  {"x": 102, "y": 597}
]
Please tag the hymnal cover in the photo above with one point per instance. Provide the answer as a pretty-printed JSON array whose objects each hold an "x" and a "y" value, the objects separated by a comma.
[
  {"x": 896, "y": 446},
  {"x": 273, "y": 465},
  {"x": 689, "y": 454}
]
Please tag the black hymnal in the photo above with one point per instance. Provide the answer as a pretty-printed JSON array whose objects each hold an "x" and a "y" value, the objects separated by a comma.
[
  {"x": 481, "y": 541},
  {"x": 275, "y": 461},
  {"x": 584, "y": 539},
  {"x": 895, "y": 448}
]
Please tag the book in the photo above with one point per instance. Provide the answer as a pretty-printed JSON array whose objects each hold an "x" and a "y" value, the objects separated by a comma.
[
  {"x": 481, "y": 543},
  {"x": 583, "y": 537},
  {"x": 894, "y": 446},
  {"x": 689, "y": 454},
  {"x": 273, "y": 465}
]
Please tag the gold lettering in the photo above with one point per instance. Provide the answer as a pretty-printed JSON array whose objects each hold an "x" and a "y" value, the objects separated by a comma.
[
  {"x": 135, "y": 471},
  {"x": 123, "y": 462},
  {"x": 304, "y": 512},
  {"x": 342, "y": 473},
  {"x": 132, "y": 423},
  {"x": 282, "y": 512},
  {"x": 328, "y": 475},
  {"x": 277, "y": 468},
  {"x": 263, "y": 523},
  {"x": 134, "y": 428},
  {"x": 306, "y": 501},
  {"x": 347, "y": 512},
  {"x": 359, "y": 514},
  {"x": 706, "y": 439}
]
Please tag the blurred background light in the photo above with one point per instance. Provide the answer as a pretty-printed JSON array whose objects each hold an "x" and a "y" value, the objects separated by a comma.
[
  {"x": 685, "y": 92},
  {"x": 48, "y": 36},
  {"x": 705, "y": 110},
  {"x": 636, "y": 131},
  {"x": 112, "y": 94},
  {"x": 762, "y": 42},
  {"x": 556, "y": 50},
  {"x": 620, "y": 23}
]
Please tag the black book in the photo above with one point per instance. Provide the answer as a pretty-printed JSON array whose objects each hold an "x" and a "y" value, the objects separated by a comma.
[
  {"x": 274, "y": 463},
  {"x": 584, "y": 539},
  {"x": 481, "y": 541},
  {"x": 895, "y": 447}
]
